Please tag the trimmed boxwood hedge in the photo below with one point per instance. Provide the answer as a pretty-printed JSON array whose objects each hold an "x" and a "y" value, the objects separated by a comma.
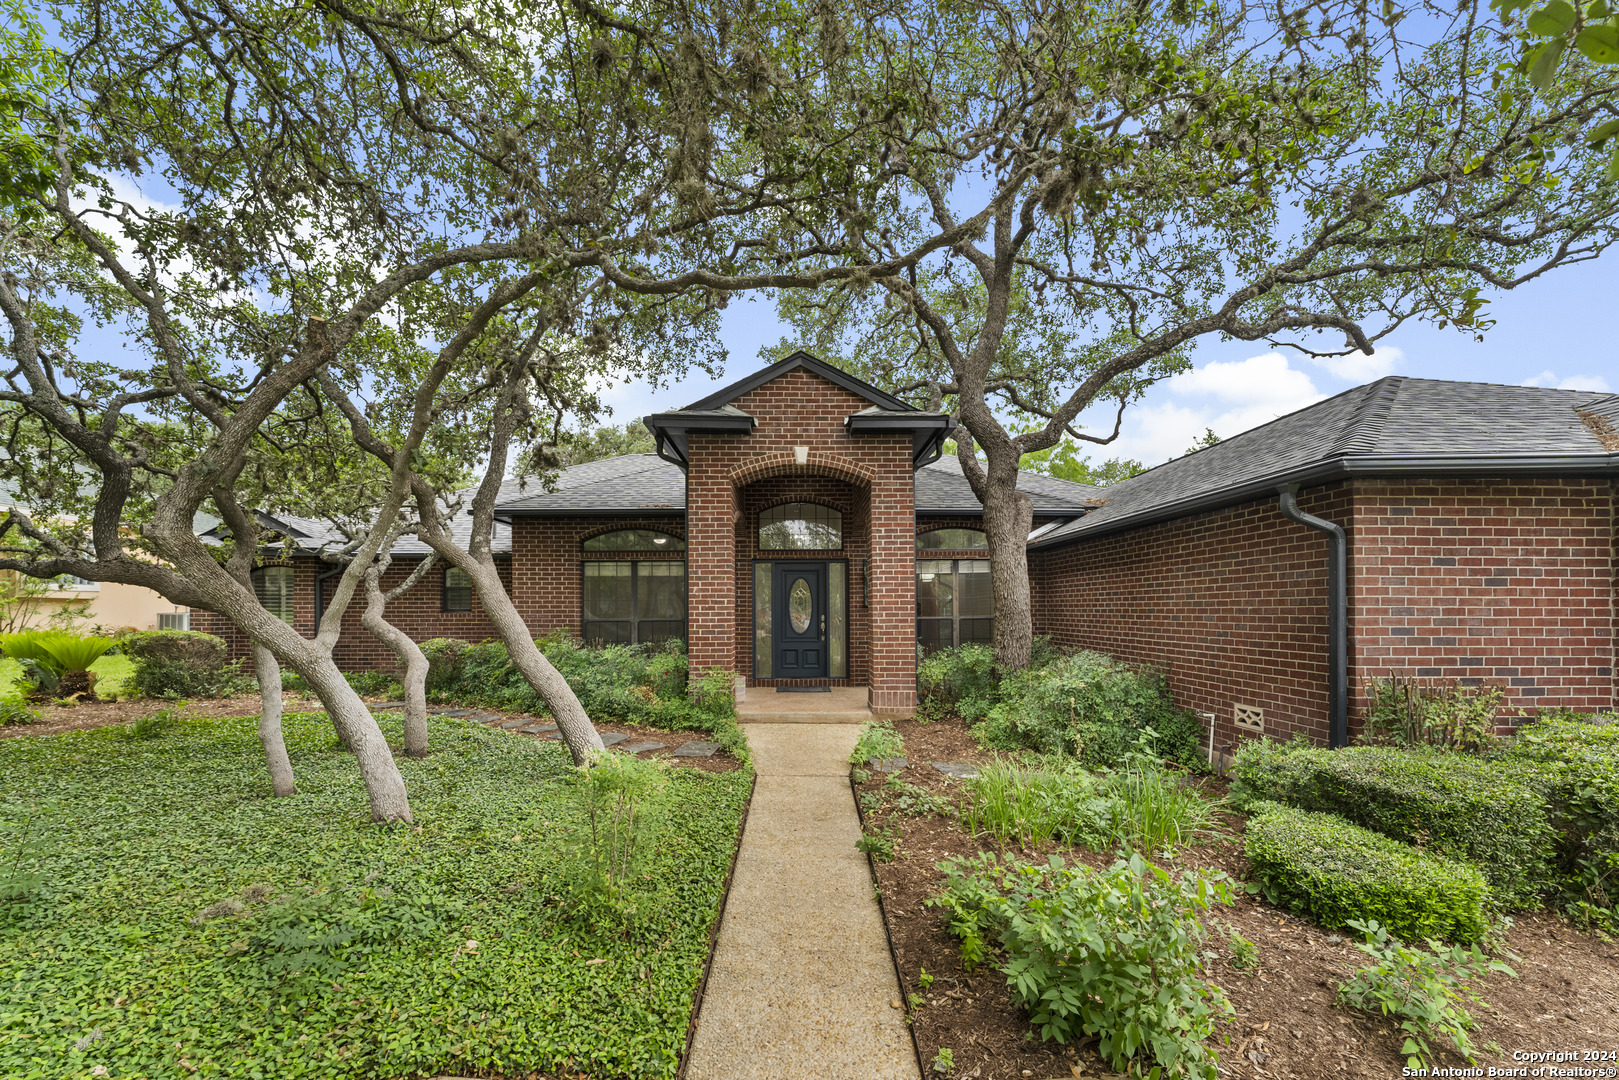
[
  {"x": 1453, "y": 805},
  {"x": 1334, "y": 872},
  {"x": 1574, "y": 762}
]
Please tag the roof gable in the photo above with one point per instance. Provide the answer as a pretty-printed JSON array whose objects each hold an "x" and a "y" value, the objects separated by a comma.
[{"x": 800, "y": 359}]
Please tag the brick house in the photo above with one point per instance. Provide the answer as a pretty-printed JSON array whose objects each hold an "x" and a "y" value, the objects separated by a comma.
[{"x": 800, "y": 527}]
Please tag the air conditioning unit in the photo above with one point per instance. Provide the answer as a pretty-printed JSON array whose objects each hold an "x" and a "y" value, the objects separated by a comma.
[{"x": 174, "y": 620}]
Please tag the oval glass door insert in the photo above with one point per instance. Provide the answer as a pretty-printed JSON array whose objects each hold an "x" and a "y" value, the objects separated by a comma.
[{"x": 799, "y": 605}]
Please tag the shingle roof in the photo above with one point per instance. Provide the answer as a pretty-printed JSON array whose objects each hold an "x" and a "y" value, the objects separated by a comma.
[
  {"x": 634, "y": 483},
  {"x": 941, "y": 489},
  {"x": 1394, "y": 425}
]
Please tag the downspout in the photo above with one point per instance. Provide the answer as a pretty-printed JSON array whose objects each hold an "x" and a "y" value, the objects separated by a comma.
[{"x": 1337, "y": 615}]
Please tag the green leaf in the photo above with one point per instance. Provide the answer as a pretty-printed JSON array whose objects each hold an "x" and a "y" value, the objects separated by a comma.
[
  {"x": 1600, "y": 43},
  {"x": 1555, "y": 18},
  {"x": 1603, "y": 133},
  {"x": 1545, "y": 66}
]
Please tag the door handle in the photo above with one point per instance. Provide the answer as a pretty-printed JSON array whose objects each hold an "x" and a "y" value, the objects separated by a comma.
[{"x": 823, "y": 627}]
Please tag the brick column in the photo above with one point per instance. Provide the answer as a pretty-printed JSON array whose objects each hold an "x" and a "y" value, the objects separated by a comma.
[
  {"x": 893, "y": 588},
  {"x": 710, "y": 562}
]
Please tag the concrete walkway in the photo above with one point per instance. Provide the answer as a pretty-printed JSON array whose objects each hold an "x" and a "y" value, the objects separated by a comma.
[
  {"x": 802, "y": 978},
  {"x": 839, "y": 705}
]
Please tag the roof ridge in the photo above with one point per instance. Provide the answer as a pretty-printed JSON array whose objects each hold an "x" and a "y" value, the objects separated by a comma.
[{"x": 1365, "y": 429}]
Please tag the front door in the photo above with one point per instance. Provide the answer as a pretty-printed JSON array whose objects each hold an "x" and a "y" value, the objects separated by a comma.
[{"x": 799, "y": 603}]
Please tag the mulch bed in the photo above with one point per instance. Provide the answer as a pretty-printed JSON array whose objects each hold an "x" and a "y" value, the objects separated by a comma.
[
  {"x": 56, "y": 719},
  {"x": 1565, "y": 998}
]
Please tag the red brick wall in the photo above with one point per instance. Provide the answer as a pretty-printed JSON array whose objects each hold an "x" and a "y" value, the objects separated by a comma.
[
  {"x": 1496, "y": 581},
  {"x": 419, "y": 613},
  {"x": 801, "y": 409},
  {"x": 1230, "y": 604},
  {"x": 547, "y": 554}
]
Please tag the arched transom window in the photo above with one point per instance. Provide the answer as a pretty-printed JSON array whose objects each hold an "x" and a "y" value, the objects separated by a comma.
[
  {"x": 635, "y": 540},
  {"x": 800, "y": 526},
  {"x": 952, "y": 540}
]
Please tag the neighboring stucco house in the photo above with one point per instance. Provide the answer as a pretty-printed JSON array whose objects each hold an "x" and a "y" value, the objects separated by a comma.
[{"x": 800, "y": 527}]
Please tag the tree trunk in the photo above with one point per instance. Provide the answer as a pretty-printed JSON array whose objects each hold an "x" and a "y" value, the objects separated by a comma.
[
  {"x": 411, "y": 659},
  {"x": 573, "y": 723},
  {"x": 354, "y": 722},
  {"x": 1008, "y": 520},
  {"x": 275, "y": 749}
]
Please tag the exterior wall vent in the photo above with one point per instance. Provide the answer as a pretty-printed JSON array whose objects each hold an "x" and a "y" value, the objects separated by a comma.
[
  {"x": 1249, "y": 718},
  {"x": 174, "y": 620}
]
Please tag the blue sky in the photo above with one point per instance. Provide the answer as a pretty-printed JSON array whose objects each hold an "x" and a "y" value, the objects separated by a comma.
[{"x": 1556, "y": 331}]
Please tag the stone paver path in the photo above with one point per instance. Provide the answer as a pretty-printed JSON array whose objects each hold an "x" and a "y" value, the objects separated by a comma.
[{"x": 802, "y": 981}]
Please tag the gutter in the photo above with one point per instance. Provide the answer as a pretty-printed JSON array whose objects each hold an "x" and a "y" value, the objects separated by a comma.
[{"x": 1337, "y": 615}]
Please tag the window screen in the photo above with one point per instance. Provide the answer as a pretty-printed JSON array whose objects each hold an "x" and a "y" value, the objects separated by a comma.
[
  {"x": 628, "y": 603},
  {"x": 272, "y": 585},
  {"x": 457, "y": 590},
  {"x": 800, "y": 527},
  {"x": 954, "y": 603}
]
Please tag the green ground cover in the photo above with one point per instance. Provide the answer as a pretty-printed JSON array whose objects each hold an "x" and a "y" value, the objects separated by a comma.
[
  {"x": 176, "y": 922},
  {"x": 111, "y": 671}
]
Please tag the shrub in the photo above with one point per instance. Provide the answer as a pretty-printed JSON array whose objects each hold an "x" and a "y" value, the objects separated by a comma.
[
  {"x": 443, "y": 662},
  {"x": 153, "y": 725},
  {"x": 1074, "y": 944},
  {"x": 1094, "y": 707},
  {"x": 878, "y": 739},
  {"x": 374, "y": 683},
  {"x": 624, "y": 799},
  {"x": 1150, "y": 806},
  {"x": 1453, "y": 805},
  {"x": 13, "y": 711},
  {"x": 635, "y": 684},
  {"x": 1575, "y": 764},
  {"x": 961, "y": 680},
  {"x": 1339, "y": 873},
  {"x": 177, "y": 663},
  {"x": 1428, "y": 712},
  {"x": 1425, "y": 990}
]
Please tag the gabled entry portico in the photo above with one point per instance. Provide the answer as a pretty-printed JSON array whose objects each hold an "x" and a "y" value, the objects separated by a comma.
[{"x": 801, "y": 529}]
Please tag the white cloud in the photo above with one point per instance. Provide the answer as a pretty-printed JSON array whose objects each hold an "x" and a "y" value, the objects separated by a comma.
[
  {"x": 1228, "y": 396},
  {"x": 1359, "y": 367},
  {"x": 1571, "y": 382}
]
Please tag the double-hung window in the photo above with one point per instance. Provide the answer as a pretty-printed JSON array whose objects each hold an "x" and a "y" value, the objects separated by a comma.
[{"x": 273, "y": 586}]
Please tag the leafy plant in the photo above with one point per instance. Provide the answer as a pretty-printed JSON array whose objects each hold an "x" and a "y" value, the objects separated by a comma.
[
  {"x": 1151, "y": 807},
  {"x": 944, "y": 1062},
  {"x": 960, "y": 680},
  {"x": 1074, "y": 944},
  {"x": 878, "y": 739},
  {"x": 13, "y": 711},
  {"x": 878, "y": 843},
  {"x": 1032, "y": 801},
  {"x": 18, "y": 884},
  {"x": 1424, "y": 989},
  {"x": 1339, "y": 873},
  {"x": 1431, "y": 712},
  {"x": 55, "y": 662},
  {"x": 623, "y": 799},
  {"x": 1244, "y": 953},
  {"x": 923, "y": 979},
  {"x": 1093, "y": 707},
  {"x": 154, "y": 724}
]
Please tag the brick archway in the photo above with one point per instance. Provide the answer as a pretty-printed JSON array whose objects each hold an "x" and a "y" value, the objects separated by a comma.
[{"x": 818, "y": 463}]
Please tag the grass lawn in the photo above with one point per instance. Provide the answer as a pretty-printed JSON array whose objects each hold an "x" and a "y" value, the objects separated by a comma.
[
  {"x": 111, "y": 671},
  {"x": 446, "y": 946}
]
